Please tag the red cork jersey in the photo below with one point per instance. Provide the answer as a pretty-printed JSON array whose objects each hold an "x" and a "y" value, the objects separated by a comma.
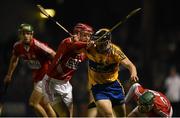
[
  {"x": 161, "y": 106},
  {"x": 37, "y": 56},
  {"x": 66, "y": 60}
]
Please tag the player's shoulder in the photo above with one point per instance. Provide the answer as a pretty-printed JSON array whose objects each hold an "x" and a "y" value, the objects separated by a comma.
[
  {"x": 66, "y": 40},
  {"x": 115, "y": 48},
  {"x": 138, "y": 88},
  {"x": 17, "y": 44},
  {"x": 116, "y": 51}
]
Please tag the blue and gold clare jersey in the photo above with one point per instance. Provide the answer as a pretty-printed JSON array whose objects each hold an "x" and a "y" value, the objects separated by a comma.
[{"x": 103, "y": 68}]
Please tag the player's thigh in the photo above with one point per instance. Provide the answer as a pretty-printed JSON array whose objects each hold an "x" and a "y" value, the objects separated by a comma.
[
  {"x": 92, "y": 109},
  {"x": 120, "y": 110},
  {"x": 104, "y": 107},
  {"x": 64, "y": 89},
  {"x": 92, "y": 112},
  {"x": 60, "y": 108},
  {"x": 37, "y": 93}
]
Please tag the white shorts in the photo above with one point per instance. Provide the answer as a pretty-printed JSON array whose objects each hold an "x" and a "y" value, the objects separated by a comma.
[
  {"x": 54, "y": 88},
  {"x": 38, "y": 86}
]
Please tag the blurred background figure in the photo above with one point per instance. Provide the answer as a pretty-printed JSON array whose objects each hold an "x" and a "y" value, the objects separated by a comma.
[{"x": 172, "y": 86}]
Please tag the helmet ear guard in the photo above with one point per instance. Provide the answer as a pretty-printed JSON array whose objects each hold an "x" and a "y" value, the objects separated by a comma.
[{"x": 25, "y": 27}]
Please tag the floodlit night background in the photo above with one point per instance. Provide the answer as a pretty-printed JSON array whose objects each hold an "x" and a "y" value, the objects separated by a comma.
[{"x": 150, "y": 39}]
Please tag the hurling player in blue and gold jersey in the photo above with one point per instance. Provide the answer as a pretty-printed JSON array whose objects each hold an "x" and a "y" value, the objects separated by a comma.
[{"x": 104, "y": 61}]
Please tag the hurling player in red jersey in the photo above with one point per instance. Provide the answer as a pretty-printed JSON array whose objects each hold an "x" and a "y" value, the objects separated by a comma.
[
  {"x": 64, "y": 64},
  {"x": 38, "y": 56},
  {"x": 150, "y": 103}
]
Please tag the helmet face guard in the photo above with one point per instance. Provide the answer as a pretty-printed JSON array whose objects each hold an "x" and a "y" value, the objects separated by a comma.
[
  {"x": 144, "y": 109},
  {"x": 101, "y": 35},
  {"x": 102, "y": 38}
]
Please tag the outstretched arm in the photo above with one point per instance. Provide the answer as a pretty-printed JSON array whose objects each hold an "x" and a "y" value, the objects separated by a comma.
[
  {"x": 130, "y": 66},
  {"x": 131, "y": 92},
  {"x": 134, "y": 113},
  {"x": 45, "y": 48}
]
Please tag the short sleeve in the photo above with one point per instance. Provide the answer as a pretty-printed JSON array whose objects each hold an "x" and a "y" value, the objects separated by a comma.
[
  {"x": 15, "y": 50},
  {"x": 119, "y": 55}
]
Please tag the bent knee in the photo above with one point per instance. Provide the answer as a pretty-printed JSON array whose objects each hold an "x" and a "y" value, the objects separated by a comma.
[{"x": 33, "y": 104}]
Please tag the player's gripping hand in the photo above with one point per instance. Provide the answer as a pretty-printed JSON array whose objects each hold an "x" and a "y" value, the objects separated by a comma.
[
  {"x": 91, "y": 44},
  {"x": 134, "y": 78},
  {"x": 75, "y": 37},
  {"x": 7, "y": 79}
]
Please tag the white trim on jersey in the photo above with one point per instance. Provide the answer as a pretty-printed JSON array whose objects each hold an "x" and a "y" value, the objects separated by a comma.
[
  {"x": 171, "y": 112},
  {"x": 137, "y": 90},
  {"x": 132, "y": 91},
  {"x": 17, "y": 43},
  {"x": 43, "y": 46},
  {"x": 165, "y": 114}
]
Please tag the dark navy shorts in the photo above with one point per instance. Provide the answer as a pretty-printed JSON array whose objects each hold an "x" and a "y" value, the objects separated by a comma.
[{"x": 112, "y": 91}]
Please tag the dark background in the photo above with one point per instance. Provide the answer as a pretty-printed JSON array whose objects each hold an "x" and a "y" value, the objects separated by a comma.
[{"x": 150, "y": 39}]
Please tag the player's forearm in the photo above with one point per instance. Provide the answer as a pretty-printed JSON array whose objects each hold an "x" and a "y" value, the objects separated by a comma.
[
  {"x": 53, "y": 53},
  {"x": 129, "y": 95},
  {"x": 130, "y": 66},
  {"x": 80, "y": 44},
  {"x": 132, "y": 69},
  {"x": 13, "y": 63},
  {"x": 134, "y": 112}
]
